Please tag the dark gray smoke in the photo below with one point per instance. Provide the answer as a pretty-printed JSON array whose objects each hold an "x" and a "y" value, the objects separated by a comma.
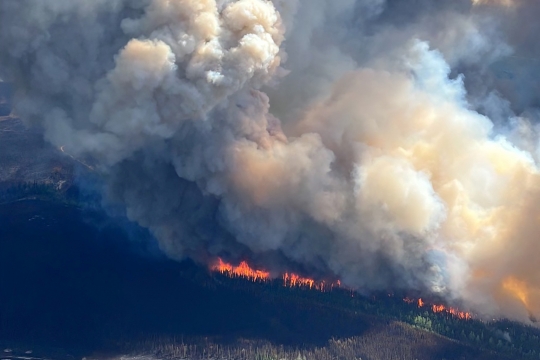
[{"x": 389, "y": 144}]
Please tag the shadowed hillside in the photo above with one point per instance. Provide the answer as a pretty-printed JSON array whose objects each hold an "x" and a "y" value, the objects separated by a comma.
[
  {"x": 77, "y": 280},
  {"x": 6, "y": 93}
]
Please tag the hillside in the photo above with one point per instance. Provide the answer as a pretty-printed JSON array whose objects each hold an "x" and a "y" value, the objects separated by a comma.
[{"x": 79, "y": 282}]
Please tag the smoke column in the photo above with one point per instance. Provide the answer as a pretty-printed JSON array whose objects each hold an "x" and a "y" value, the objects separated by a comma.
[{"x": 390, "y": 144}]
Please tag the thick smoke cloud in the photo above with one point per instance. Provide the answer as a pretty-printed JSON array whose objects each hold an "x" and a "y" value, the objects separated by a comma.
[{"x": 390, "y": 144}]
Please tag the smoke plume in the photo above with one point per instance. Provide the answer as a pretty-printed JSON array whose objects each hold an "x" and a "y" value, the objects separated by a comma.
[{"x": 390, "y": 144}]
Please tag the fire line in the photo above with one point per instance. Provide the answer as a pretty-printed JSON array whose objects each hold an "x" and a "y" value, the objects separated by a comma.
[
  {"x": 291, "y": 280},
  {"x": 243, "y": 270}
]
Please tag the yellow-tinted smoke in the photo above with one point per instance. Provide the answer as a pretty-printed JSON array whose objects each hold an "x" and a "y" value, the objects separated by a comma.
[
  {"x": 494, "y": 2},
  {"x": 518, "y": 289},
  {"x": 426, "y": 165}
]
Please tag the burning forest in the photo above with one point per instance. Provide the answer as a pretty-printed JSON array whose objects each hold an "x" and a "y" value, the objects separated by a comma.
[
  {"x": 440, "y": 309},
  {"x": 388, "y": 144},
  {"x": 245, "y": 271}
]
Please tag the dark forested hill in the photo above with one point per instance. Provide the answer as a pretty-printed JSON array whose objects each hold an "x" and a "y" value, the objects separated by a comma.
[{"x": 86, "y": 283}]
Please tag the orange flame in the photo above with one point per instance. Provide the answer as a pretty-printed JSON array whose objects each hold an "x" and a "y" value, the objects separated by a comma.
[
  {"x": 443, "y": 309},
  {"x": 243, "y": 270},
  {"x": 289, "y": 279},
  {"x": 293, "y": 280}
]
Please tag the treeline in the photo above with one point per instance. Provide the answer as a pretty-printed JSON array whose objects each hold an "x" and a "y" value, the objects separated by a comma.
[
  {"x": 503, "y": 336},
  {"x": 515, "y": 340},
  {"x": 396, "y": 341}
]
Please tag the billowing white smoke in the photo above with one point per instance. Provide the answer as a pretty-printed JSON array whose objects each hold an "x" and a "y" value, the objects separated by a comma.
[{"x": 382, "y": 172}]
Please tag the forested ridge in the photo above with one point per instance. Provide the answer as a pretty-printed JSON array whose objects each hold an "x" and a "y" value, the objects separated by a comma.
[
  {"x": 88, "y": 285},
  {"x": 499, "y": 336}
]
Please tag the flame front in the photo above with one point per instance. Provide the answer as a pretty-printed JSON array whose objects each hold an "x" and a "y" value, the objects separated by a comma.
[
  {"x": 443, "y": 309},
  {"x": 289, "y": 279},
  {"x": 293, "y": 280},
  {"x": 243, "y": 270}
]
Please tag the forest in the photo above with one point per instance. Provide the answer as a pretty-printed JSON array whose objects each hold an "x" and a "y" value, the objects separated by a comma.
[{"x": 89, "y": 283}]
